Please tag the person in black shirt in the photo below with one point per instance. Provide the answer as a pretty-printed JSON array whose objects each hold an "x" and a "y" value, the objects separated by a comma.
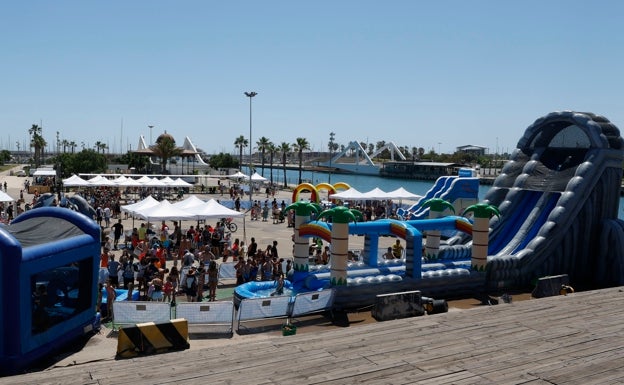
[
  {"x": 252, "y": 249},
  {"x": 117, "y": 231}
]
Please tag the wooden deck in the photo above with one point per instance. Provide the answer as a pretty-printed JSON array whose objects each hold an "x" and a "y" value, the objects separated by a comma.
[{"x": 576, "y": 339}]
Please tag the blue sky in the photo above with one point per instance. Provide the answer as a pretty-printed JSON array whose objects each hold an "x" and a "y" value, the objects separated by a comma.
[{"x": 432, "y": 74}]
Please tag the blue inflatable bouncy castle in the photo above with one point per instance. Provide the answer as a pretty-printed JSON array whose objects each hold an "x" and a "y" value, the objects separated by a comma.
[{"x": 49, "y": 260}]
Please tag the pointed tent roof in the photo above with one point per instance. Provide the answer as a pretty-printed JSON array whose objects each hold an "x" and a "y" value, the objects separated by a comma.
[
  {"x": 238, "y": 175},
  {"x": 191, "y": 202},
  {"x": 351, "y": 193},
  {"x": 164, "y": 211},
  {"x": 376, "y": 193},
  {"x": 402, "y": 193},
  {"x": 145, "y": 203},
  {"x": 99, "y": 180},
  {"x": 155, "y": 182},
  {"x": 129, "y": 182},
  {"x": 213, "y": 209},
  {"x": 144, "y": 179},
  {"x": 4, "y": 197},
  {"x": 178, "y": 182},
  {"x": 75, "y": 181},
  {"x": 167, "y": 180},
  {"x": 258, "y": 178},
  {"x": 120, "y": 179}
]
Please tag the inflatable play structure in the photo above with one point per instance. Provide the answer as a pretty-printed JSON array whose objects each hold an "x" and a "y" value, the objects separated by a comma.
[
  {"x": 559, "y": 199},
  {"x": 49, "y": 259},
  {"x": 553, "y": 210},
  {"x": 75, "y": 202},
  {"x": 461, "y": 190}
]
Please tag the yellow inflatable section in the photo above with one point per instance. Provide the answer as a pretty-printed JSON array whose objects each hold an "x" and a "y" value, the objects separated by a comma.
[
  {"x": 305, "y": 187},
  {"x": 315, "y": 190}
]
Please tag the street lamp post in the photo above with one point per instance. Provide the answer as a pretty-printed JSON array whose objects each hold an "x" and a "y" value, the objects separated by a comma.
[
  {"x": 331, "y": 148},
  {"x": 250, "y": 95},
  {"x": 150, "y": 142}
]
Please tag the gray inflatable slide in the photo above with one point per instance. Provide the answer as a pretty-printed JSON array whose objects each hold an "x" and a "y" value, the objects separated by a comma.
[{"x": 559, "y": 199}]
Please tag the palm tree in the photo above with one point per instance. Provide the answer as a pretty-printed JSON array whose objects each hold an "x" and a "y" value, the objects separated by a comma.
[
  {"x": 272, "y": 152},
  {"x": 284, "y": 148},
  {"x": 73, "y": 146},
  {"x": 165, "y": 149},
  {"x": 481, "y": 233},
  {"x": 300, "y": 146},
  {"x": 37, "y": 142},
  {"x": 263, "y": 145},
  {"x": 241, "y": 142},
  {"x": 436, "y": 207},
  {"x": 303, "y": 210},
  {"x": 340, "y": 217}
]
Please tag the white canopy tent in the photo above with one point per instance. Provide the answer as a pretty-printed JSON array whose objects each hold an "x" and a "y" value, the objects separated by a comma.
[
  {"x": 213, "y": 209},
  {"x": 150, "y": 201},
  {"x": 258, "y": 178},
  {"x": 120, "y": 179},
  {"x": 190, "y": 203},
  {"x": 4, "y": 197},
  {"x": 178, "y": 182},
  {"x": 167, "y": 180},
  {"x": 164, "y": 211},
  {"x": 155, "y": 182},
  {"x": 402, "y": 193},
  {"x": 75, "y": 181},
  {"x": 99, "y": 180},
  {"x": 144, "y": 179},
  {"x": 129, "y": 182},
  {"x": 238, "y": 176},
  {"x": 350, "y": 194},
  {"x": 376, "y": 194}
]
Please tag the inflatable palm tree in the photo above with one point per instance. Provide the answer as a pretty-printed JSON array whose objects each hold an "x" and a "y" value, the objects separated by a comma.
[
  {"x": 303, "y": 210},
  {"x": 340, "y": 217},
  {"x": 436, "y": 207},
  {"x": 481, "y": 233}
]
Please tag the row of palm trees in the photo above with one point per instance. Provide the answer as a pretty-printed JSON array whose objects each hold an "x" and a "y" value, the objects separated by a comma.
[
  {"x": 38, "y": 144},
  {"x": 265, "y": 146}
]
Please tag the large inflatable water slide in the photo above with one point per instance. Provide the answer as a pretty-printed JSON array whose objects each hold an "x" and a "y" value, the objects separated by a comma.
[
  {"x": 559, "y": 199},
  {"x": 556, "y": 201}
]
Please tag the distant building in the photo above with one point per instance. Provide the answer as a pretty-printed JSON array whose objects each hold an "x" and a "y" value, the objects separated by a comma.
[
  {"x": 419, "y": 170},
  {"x": 472, "y": 149}
]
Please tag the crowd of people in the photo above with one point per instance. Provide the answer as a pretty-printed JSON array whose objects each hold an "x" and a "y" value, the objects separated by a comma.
[{"x": 160, "y": 264}]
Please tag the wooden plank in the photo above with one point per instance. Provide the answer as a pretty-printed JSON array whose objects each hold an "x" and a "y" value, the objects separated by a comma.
[{"x": 572, "y": 339}]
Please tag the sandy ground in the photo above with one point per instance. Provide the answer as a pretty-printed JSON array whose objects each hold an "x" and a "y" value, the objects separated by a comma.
[{"x": 102, "y": 346}]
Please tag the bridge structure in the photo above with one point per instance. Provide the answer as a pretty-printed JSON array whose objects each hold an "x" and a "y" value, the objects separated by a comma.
[{"x": 355, "y": 159}]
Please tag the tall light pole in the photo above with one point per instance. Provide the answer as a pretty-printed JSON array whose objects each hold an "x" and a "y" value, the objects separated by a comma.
[
  {"x": 150, "y": 142},
  {"x": 250, "y": 95},
  {"x": 331, "y": 148}
]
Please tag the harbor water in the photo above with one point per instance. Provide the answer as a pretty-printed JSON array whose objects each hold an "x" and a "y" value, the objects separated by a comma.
[{"x": 364, "y": 183}]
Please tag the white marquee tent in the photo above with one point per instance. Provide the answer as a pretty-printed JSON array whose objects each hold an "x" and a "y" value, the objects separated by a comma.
[
  {"x": 213, "y": 209},
  {"x": 258, "y": 178},
  {"x": 350, "y": 194},
  {"x": 164, "y": 211},
  {"x": 4, "y": 197},
  {"x": 150, "y": 201},
  {"x": 75, "y": 181}
]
